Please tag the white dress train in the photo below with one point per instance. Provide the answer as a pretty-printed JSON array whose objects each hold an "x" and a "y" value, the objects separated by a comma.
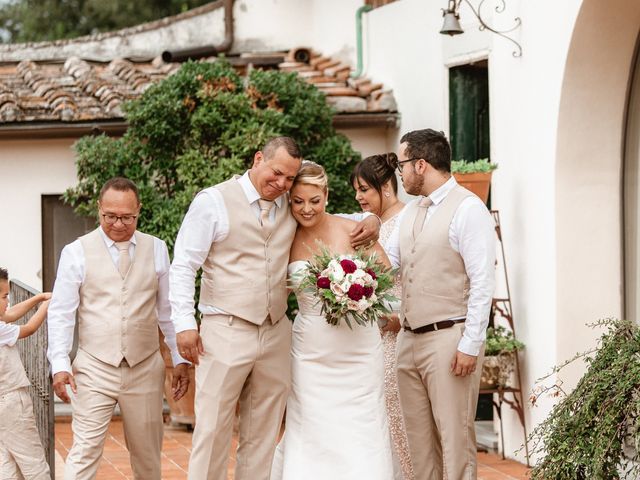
[{"x": 336, "y": 422}]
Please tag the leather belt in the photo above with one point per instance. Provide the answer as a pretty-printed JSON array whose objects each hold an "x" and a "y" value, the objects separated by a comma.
[{"x": 433, "y": 327}]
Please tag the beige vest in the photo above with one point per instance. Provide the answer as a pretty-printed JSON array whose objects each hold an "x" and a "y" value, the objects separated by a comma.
[
  {"x": 117, "y": 317},
  {"x": 246, "y": 273},
  {"x": 435, "y": 285},
  {"x": 12, "y": 374}
]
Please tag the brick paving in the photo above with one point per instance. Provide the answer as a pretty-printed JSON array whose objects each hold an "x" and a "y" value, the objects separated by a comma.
[{"x": 177, "y": 446}]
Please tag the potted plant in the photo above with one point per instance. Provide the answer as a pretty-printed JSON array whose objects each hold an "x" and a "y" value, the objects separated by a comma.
[
  {"x": 499, "y": 358},
  {"x": 474, "y": 176}
]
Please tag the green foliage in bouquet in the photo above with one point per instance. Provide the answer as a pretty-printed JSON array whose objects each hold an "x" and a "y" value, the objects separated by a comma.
[
  {"x": 200, "y": 126},
  {"x": 353, "y": 287},
  {"x": 479, "y": 166},
  {"x": 500, "y": 340},
  {"x": 587, "y": 433}
]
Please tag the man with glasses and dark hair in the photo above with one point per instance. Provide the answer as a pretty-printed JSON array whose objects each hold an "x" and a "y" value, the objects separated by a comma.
[
  {"x": 444, "y": 243},
  {"x": 115, "y": 280}
]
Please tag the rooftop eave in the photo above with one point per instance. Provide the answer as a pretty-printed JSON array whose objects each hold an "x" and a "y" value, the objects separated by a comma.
[
  {"x": 42, "y": 130},
  {"x": 367, "y": 120},
  {"x": 117, "y": 127}
]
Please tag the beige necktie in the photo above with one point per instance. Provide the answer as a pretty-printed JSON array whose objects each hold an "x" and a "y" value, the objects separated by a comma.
[
  {"x": 423, "y": 206},
  {"x": 265, "y": 208},
  {"x": 124, "y": 260}
]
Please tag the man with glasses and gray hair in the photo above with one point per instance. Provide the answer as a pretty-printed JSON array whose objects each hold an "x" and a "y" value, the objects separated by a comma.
[{"x": 115, "y": 281}]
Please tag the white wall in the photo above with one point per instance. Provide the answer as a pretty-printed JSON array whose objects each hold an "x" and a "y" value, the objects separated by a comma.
[
  {"x": 589, "y": 172},
  {"x": 29, "y": 169},
  {"x": 370, "y": 141}
]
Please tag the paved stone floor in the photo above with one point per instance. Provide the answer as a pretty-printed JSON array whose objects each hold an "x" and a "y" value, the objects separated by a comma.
[{"x": 177, "y": 445}]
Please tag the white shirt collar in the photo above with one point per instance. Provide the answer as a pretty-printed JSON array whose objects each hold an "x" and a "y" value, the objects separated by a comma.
[
  {"x": 439, "y": 194},
  {"x": 110, "y": 242},
  {"x": 251, "y": 192}
]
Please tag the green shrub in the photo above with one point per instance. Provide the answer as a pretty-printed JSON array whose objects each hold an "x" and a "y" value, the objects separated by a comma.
[
  {"x": 200, "y": 126},
  {"x": 585, "y": 435}
]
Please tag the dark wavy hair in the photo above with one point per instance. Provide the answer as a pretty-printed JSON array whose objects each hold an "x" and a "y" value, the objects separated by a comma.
[
  {"x": 430, "y": 145},
  {"x": 377, "y": 170},
  {"x": 4, "y": 275}
]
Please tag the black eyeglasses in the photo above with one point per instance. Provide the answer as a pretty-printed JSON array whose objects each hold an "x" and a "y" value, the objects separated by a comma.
[
  {"x": 405, "y": 161},
  {"x": 112, "y": 219}
]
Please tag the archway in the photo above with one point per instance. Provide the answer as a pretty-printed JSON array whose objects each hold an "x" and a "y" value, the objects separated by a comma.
[{"x": 589, "y": 164}]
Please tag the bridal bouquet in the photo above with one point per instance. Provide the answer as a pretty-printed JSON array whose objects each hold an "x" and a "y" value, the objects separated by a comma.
[{"x": 353, "y": 287}]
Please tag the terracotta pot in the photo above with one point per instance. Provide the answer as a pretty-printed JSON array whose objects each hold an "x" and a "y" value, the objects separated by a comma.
[
  {"x": 181, "y": 411},
  {"x": 478, "y": 183}
]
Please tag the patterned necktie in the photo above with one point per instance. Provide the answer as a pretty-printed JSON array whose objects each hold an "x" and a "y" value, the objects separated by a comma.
[
  {"x": 265, "y": 208},
  {"x": 124, "y": 260},
  {"x": 423, "y": 206}
]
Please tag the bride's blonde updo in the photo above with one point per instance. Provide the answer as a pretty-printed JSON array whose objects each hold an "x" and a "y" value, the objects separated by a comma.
[{"x": 311, "y": 173}]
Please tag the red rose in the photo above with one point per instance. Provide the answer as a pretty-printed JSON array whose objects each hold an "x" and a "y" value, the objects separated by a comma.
[
  {"x": 348, "y": 266},
  {"x": 323, "y": 282},
  {"x": 372, "y": 273},
  {"x": 368, "y": 291},
  {"x": 356, "y": 292}
]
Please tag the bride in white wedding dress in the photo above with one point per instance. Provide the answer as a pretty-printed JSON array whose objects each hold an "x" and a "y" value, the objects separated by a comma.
[{"x": 336, "y": 422}]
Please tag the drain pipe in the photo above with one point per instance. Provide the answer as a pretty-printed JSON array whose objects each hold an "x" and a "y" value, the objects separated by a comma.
[
  {"x": 209, "y": 50},
  {"x": 361, "y": 11}
]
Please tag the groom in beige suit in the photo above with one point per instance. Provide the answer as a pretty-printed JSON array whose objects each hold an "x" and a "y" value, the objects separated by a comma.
[
  {"x": 445, "y": 244},
  {"x": 240, "y": 233},
  {"x": 115, "y": 280}
]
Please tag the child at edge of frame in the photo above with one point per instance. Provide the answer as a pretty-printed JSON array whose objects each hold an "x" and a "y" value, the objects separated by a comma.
[{"x": 21, "y": 452}]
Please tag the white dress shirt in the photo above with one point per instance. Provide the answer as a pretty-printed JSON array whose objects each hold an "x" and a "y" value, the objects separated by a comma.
[
  {"x": 66, "y": 299},
  {"x": 9, "y": 334},
  {"x": 206, "y": 223},
  {"x": 472, "y": 235}
]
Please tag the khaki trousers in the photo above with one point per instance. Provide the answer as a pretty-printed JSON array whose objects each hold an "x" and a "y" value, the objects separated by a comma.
[
  {"x": 138, "y": 392},
  {"x": 21, "y": 452},
  {"x": 439, "y": 408},
  {"x": 247, "y": 363}
]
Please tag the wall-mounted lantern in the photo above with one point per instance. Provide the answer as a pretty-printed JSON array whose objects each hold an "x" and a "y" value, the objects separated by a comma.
[{"x": 451, "y": 25}]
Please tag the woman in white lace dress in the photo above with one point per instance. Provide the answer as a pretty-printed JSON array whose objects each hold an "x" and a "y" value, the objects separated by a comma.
[{"x": 376, "y": 186}]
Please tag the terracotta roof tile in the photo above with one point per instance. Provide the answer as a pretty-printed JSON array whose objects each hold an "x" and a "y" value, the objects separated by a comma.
[
  {"x": 339, "y": 91},
  {"x": 366, "y": 89},
  {"x": 78, "y": 90},
  {"x": 332, "y": 71},
  {"x": 314, "y": 62},
  {"x": 333, "y": 77}
]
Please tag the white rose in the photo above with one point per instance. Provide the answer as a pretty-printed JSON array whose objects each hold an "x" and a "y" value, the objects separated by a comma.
[
  {"x": 363, "y": 304},
  {"x": 360, "y": 275},
  {"x": 353, "y": 305},
  {"x": 336, "y": 273},
  {"x": 338, "y": 290}
]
